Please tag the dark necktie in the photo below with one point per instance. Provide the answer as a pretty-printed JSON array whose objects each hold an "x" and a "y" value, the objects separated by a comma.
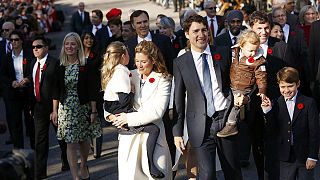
[
  {"x": 211, "y": 31},
  {"x": 207, "y": 85},
  {"x": 234, "y": 40},
  {"x": 37, "y": 83}
]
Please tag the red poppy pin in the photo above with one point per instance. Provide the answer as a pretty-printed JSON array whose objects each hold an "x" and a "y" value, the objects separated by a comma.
[
  {"x": 151, "y": 80},
  {"x": 217, "y": 57},
  {"x": 176, "y": 46},
  {"x": 293, "y": 33},
  {"x": 24, "y": 61},
  {"x": 130, "y": 75},
  {"x": 91, "y": 55},
  {"x": 300, "y": 106},
  {"x": 269, "y": 51},
  {"x": 82, "y": 68},
  {"x": 251, "y": 60},
  {"x": 44, "y": 67}
]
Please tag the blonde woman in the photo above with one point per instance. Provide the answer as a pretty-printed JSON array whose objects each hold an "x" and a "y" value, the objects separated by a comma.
[
  {"x": 74, "y": 104},
  {"x": 152, "y": 84}
]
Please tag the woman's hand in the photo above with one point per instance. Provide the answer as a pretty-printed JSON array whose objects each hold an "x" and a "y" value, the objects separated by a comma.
[
  {"x": 120, "y": 120},
  {"x": 54, "y": 118},
  {"x": 178, "y": 142},
  {"x": 15, "y": 84},
  {"x": 93, "y": 117}
]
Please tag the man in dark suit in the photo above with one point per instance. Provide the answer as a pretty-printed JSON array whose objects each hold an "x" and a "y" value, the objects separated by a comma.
[
  {"x": 215, "y": 23},
  {"x": 80, "y": 20},
  {"x": 5, "y": 44},
  {"x": 140, "y": 22},
  {"x": 277, "y": 56},
  {"x": 295, "y": 119},
  {"x": 295, "y": 39},
  {"x": 292, "y": 19},
  {"x": 102, "y": 32},
  {"x": 231, "y": 37},
  {"x": 314, "y": 58},
  {"x": 43, "y": 72},
  {"x": 203, "y": 74}
]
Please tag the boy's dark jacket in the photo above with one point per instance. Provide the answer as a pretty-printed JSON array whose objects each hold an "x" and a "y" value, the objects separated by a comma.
[{"x": 304, "y": 126}]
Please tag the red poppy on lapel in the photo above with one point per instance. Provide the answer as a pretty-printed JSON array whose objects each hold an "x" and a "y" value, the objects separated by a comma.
[
  {"x": 82, "y": 68},
  {"x": 130, "y": 75},
  {"x": 44, "y": 67},
  {"x": 151, "y": 80},
  {"x": 300, "y": 106},
  {"x": 217, "y": 57},
  {"x": 251, "y": 60},
  {"x": 91, "y": 55},
  {"x": 269, "y": 51},
  {"x": 176, "y": 46},
  {"x": 24, "y": 61},
  {"x": 293, "y": 33}
]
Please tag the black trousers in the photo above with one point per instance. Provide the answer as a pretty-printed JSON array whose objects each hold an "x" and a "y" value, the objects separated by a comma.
[
  {"x": 227, "y": 149},
  {"x": 42, "y": 123},
  {"x": 15, "y": 106}
]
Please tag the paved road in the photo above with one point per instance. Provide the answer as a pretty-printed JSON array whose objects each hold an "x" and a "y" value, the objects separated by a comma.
[{"x": 105, "y": 168}]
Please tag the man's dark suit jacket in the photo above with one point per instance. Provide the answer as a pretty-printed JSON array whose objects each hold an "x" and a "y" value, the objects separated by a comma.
[
  {"x": 101, "y": 37},
  {"x": 77, "y": 25},
  {"x": 187, "y": 81},
  {"x": 220, "y": 22},
  {"x": 3, "y": 52},
  {"x": 87, "y": 85},
  {"x": 304, "y": 127},
  {"x": 223, "y": 40},
  {"x": 292, "y": 19},
  {"x": 8, "y": 74},
  {"x": 47, "y": 82},
  {"x": 161, "y": 41}
]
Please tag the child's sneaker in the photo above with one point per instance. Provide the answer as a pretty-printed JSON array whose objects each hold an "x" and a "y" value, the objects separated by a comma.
[{"x": 228, "y": 130}]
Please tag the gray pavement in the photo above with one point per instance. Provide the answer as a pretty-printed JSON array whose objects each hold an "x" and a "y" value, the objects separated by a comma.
[{"x": 105, "y": 168}]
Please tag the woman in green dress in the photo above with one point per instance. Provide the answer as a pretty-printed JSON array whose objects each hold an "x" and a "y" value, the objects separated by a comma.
[{"x": 74, "y": 104}]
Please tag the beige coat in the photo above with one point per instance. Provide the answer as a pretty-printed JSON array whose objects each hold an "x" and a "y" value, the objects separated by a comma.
[{"x": 151, "y": 102}]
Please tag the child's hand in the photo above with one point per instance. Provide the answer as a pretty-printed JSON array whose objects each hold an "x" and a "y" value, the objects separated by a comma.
[
  {"x": 240, "y": 100},
  {"x": 262, "y": 96},
  {"x": 266, "y": 103}
]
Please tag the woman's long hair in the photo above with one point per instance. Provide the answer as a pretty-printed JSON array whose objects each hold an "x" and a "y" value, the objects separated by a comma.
[
  {"x": 114, "y": 55},
  {"x": 80, "y": 52},
  {"x": 92, "y": 36},
  {"x": 152, "y": 51}
]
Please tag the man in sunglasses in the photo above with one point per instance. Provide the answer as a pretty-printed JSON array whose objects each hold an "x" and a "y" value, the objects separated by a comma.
[
  {"x": 43, "y": 71},
  {"x": 5, "y": 47},
  {"x": 215, "y": 23}
]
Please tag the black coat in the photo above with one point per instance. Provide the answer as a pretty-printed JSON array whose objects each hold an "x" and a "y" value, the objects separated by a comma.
[
  {"x": 77, "y": 25},
  {"x": 304, "y": 127}
]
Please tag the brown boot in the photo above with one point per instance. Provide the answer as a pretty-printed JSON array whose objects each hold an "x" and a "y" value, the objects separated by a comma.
[{"x": 228, "y": 130}]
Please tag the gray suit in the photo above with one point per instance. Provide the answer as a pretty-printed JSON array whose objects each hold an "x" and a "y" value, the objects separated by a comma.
[{"x": 201, "y": 128}]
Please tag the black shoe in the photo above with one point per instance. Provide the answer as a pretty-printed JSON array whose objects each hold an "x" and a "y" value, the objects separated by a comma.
[
  {"x": 244, "y": 163},
  {"x": 65, "y": 167},
  {"x": 157, "y": 176},
  {"x": 97, "y": 156},
  {"x": 9, "y": 141}
]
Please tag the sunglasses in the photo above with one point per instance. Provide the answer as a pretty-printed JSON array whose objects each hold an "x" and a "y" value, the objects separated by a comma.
[
  {"x": 14, "y": 39},
  {"x": 37, "y": 46},
  {"x": 211, "y": 8},
  {"x": 7, "y": 30}
]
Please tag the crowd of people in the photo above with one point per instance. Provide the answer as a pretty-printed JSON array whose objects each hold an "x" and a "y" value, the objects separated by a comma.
[{"x": 219, "y": 85}]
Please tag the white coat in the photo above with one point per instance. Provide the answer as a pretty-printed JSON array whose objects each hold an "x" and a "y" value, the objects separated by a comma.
[{"x": 151, "y": 102}]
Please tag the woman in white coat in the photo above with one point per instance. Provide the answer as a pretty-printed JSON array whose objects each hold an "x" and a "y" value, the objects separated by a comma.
[{"x": 152, "y": 84}]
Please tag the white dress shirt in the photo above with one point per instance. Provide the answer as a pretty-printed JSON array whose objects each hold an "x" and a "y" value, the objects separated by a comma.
[
  {"x": 286, "y": 30},
  {"x": 147, "y": 38},
  {"x": 264, "y": 46},
  {"x": 18, "y": 65},
  {"x": 220, "y": 102},
  {"x": 215, "y": 24},
  {"x": 96, "y": 28}
]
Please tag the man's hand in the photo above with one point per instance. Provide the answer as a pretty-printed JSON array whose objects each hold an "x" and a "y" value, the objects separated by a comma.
[
  {"x": 178, "y": 141},
  {"x": 120, "y": 120},
  {"x": 15, "y": 84},
  {"x": 310, "y": 164}
]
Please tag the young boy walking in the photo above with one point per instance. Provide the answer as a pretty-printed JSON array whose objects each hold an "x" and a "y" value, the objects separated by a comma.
[{"x": 295, "y": 119}]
